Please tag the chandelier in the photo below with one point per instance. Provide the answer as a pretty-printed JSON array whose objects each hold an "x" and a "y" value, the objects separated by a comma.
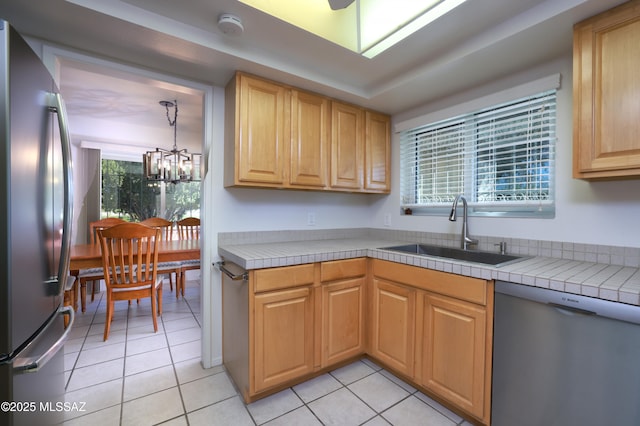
[{"x": 172, "y": 166}]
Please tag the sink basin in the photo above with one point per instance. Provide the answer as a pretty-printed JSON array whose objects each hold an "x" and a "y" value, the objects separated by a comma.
[{"x": 485, "y": 257}]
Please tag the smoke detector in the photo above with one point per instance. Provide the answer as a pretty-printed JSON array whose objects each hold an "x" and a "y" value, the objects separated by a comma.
[{"x": 230, "y": 24}]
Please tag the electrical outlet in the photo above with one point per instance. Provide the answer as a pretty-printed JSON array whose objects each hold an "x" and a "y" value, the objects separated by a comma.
[
  {"x": 387, "y": 219},
  {"x": 311, "y": 219}
]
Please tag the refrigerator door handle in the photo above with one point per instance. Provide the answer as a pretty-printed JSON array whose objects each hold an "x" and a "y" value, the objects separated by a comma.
[
  {"x": 33, "y": 364},
  {"x": 57, "y": 106}
]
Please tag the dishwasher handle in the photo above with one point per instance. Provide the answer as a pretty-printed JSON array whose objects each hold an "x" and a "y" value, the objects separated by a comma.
[{"x": 570, "y": 310}]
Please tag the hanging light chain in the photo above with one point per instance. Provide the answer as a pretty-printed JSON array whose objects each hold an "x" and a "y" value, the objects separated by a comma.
[
  {"x": 173, "y": 123},
  {"x": 175, "y": 113}
]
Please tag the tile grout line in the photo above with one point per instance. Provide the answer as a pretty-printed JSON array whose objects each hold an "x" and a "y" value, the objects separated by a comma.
[
  {"x": 365, "y": 403},
  {"x": 305, "y": 404},
  {"x": 123, "y": 371},
  {"x": 175, "y": 372},
  {"x": 124, "y": 366}
]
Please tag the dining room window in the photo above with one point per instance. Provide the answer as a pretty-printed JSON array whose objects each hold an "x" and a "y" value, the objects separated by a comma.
[
  {"x": 501, "y": 157},
  {"x": 128, "y": 195}
]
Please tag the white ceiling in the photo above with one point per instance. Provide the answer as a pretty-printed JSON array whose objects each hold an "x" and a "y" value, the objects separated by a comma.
[
  {"x": 110, "y": 106},
  {"x": 476, "y": 43}
]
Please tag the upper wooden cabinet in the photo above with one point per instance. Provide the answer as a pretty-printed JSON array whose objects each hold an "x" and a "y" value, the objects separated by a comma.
[
  {"x": 606, "y": 83},
  {"x": 376, "y": 152},
  {"x": 277, "y": 136},
  {"x": 310, "y": 120},
  {"x": 347, "y": 150},
  {"x": 257, "y": 115}
]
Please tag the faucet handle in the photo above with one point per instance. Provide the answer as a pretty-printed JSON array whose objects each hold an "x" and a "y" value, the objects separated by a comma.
[{"x": 503, "y": 247}]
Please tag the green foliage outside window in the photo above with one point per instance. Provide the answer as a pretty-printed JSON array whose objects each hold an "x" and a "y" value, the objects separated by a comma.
[{"x": 128, "y": 195}]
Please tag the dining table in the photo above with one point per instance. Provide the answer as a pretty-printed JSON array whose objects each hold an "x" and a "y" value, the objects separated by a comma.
[{"x": 87, "y": 256}]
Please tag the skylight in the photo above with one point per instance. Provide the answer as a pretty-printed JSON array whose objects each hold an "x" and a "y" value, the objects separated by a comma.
[{"x": 367, "y": 27}]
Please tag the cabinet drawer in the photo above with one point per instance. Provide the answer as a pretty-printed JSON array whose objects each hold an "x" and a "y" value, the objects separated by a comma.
[
  {"x": 460, "y": 287},
  {"x": 285, "y": 277},
  {"x": 341, "y": 269}
]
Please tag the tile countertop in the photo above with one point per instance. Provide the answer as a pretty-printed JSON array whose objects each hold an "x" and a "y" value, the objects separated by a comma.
[{"x": 604, "y": 281}]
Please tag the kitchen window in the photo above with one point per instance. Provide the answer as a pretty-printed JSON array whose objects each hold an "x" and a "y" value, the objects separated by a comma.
[{"x": 501, "y": 157}]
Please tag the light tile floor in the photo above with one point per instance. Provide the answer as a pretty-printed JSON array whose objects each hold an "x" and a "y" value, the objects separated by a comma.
[{"x": 138, "y": 377}]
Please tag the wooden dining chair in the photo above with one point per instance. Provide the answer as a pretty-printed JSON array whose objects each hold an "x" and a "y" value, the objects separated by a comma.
[
  {"x": 129, "y": 259},
  {"x": 188, "y": 229},
  {"x": 165, "y": 268},
  {"x": 93, "y": 275}
]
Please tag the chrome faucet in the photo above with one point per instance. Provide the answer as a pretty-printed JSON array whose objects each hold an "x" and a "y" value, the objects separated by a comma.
[{"x": 465, "y": 240}]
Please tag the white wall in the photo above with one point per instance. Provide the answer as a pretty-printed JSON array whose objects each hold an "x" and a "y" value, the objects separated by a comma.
[
  {"x": 592, "y": 213},
  {"x": 242, "y": 209}
]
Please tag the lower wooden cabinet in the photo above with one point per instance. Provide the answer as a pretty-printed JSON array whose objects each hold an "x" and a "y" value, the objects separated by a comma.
[
  {"x": 453, "y": 351},
  {"x": 392, "y": 325},
  {"x": 283, "y": 336},
  {"x": 342, "y": 320},
  {"x": 436, "y": 329},
  {"x": 286, "y": 324},
  {"x": 268, "y": 327},
  {"x": 343, "y": 310}
]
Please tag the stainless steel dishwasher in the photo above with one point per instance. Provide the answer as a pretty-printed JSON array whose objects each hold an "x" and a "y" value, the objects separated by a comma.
[{"x": 563, "y": 359}]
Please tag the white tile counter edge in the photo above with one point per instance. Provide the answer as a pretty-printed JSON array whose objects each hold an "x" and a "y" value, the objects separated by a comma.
[{"x": 600, "y": 280}]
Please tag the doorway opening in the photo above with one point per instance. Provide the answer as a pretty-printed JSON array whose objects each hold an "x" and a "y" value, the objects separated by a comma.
[{"x": 92, "y": 141}]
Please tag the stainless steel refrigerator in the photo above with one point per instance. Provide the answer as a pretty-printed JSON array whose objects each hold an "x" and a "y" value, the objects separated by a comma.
[{"x": 35, "y": 229}]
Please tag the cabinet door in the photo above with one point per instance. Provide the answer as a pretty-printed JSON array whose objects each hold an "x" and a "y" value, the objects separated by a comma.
[
  {"x": 454, "y": 351},
  {"x": 260, "y": 156},
  {"x": 283, "y": 336},
  {"x": 342, "y": 320},
  {"x": 393, "y": 323},
  {"x": 310, "y": 117},
  {"x": 377, "y": 152},
  {"x": 606, "y": 86},
  {"x": 346, "y": 146}
]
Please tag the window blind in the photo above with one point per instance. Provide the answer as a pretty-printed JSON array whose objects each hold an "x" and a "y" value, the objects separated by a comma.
[{"x": 501, "y": 158}]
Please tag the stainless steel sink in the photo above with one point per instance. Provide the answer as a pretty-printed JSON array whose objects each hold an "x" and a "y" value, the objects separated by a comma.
[{"x": 484, "y": 257}]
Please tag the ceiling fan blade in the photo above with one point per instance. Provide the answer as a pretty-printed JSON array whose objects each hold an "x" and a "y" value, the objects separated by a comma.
[{"x": 339, "y": 4}]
